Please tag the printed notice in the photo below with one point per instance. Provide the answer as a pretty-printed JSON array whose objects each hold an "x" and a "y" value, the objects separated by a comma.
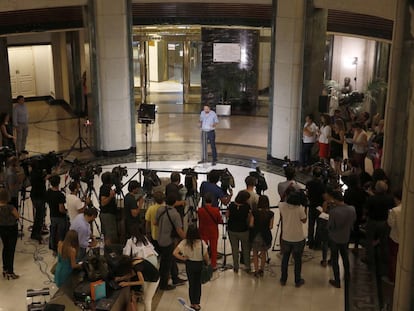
[{"x": 226, "y": 52}]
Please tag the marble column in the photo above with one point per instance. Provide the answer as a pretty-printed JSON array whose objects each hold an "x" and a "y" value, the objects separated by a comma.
[
  {"x": 404, "y": 283},
  {"x": 287, "y": 79},
  {"x": 5, "y": 86},
  {"x": 396, "y": 110},
  {"x": 113, "y": 81},
  {"x": 314, "y": 63}
]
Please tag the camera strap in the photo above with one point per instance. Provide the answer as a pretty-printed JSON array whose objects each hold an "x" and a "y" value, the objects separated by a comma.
[{"x": 211, "y": 216}]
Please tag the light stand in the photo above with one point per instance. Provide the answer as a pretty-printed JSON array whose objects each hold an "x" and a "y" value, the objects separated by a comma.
[
  {"x": 146, "y": 115},
  {"x": 224, "y": 265},
  {"x": 355, "y": 62},
  {"x": 79, "y": 139}
]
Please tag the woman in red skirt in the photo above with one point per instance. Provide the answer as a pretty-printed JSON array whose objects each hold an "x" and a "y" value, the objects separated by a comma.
[{"x": 324, "y": 135}]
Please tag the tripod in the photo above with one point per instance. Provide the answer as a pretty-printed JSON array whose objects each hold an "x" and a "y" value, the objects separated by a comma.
[
  {"x": 224, "y": 265},
  {"x": 79, "y": 139},
  {"x": 276, "y": 242},
  {"x": 22, "y": 218}
]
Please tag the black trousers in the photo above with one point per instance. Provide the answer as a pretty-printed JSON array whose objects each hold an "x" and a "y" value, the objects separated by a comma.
[
  {"x": 337, "y": 248},
  {"x": 39, "y": 217},
  {"x": 167, "y": 265},
  {"x": 193, "y": 269},
  {"x": 8, "y": 235},
  {"x": 313, "y": 239}
]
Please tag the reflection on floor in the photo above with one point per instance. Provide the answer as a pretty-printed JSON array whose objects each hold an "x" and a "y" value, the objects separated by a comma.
[{"x": 228, "y": 291}]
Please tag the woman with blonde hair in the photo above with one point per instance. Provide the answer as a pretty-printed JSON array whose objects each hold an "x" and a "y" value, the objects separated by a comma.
[{"x": 67, "y": 252}]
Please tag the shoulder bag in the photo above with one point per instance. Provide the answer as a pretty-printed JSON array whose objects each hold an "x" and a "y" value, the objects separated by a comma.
[{"x": 206, "y": 269}]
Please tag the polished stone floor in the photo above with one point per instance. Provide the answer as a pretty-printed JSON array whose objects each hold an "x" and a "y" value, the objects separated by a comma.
[
  {"x": 228, "y": 291},
  {"x": 174, "y": 145}
]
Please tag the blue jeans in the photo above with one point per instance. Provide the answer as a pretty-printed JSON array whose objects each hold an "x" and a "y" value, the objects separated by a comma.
[
  {"x": 211, "y": 139},
  {"x": 296, "y": 249},
  {"x": 306, "y": 154}
]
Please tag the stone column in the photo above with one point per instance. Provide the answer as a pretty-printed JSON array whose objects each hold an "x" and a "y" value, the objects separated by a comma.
[
  {"x": 115, "y": 123},
  {"x": 404, "y": 283},
  {"x": 287, "y": 79},
  {"x": 5, "y": 86},
  {"x": 313, "y": 67},
  {"x": 396, "y": 110}
]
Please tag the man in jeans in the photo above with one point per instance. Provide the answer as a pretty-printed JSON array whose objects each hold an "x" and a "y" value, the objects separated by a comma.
[
  {"x": 168, "y": 220},
  {"x": 292, "y": 213},
  {"x": 340, "y": 224}
]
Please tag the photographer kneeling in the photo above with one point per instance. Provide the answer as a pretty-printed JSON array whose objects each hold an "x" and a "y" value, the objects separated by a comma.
[{"x": 293, "y": 216}]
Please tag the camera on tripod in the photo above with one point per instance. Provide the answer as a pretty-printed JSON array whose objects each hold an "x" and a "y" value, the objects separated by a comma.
[
  {"x": 5, "y": 153},
  {"x": 85, "y": 173},
  {"x": 118, "y": 172},
  {"x": 226, "y": 179},
  {"x": 190, "y": 180},
  {"x": 44, "y": 162}
]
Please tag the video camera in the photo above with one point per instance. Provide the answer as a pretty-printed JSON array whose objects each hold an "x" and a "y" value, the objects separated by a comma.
[
  {"x": 261, "y": 184},
  {"x": 5, "y": 153},
  {"x": 190, "y": 180},
  {"x": 118, "y": 172},
  {"x": 226, "y": 179},
  {"x": 85, "y": 173},
  {"x": 44, "y": 162}
]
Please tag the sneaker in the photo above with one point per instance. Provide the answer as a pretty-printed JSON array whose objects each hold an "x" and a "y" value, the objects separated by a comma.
[
  {"x": 335, "y": 283},
  {"x": 300, "y": 283},
  {"x": 179, "y": 282},
  {"x": 168, "y": 287},
  {"x": 283, "y": 283}
]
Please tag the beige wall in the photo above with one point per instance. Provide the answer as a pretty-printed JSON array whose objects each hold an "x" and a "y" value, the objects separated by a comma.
[{"x": 381, "y": 8}]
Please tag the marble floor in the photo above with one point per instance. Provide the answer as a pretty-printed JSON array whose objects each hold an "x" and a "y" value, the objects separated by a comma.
[
  {"x": 227, "y": 290},
  {"x": 174, "y": 145}
]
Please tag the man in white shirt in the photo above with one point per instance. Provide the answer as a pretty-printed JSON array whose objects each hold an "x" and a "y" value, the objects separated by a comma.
[
  {"x": 74, "y": 204},
  {"x": 293, "y": 216},
  {"x": 310, "y": 130}
]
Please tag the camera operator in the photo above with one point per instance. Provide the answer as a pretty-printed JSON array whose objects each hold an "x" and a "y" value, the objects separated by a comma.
[
  {"x": 38, "y": 179},
  {"x": 74, "y": 204},
  {"x": 107, "y": 205},
  {"x": 82, "y": 225},
  {"x": 210, "y": 186},
  {"x": 293, "y": 216},
  {"x": 251, "y": 183},
  {"x": 56, "y": 200},
  {"x": 174, "y": 187},
  {"x": 282, "y": 187},
  {"x": 315, "y": 189},
  {"x": 133, "y": 203}
]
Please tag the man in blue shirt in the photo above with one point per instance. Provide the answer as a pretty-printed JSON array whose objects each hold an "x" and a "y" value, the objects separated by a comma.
[
  {"x": 81, "y": 224},
  {"x": 208, "y": 122}
]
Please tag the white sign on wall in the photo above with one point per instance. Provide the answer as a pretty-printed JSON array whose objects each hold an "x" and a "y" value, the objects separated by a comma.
[{"x": 226, "y": 52}]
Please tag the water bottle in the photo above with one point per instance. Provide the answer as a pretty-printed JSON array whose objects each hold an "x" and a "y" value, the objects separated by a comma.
[{"x": 102, "y": 245}]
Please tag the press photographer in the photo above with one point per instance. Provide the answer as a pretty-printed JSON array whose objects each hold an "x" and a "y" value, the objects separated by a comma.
[
  {"x": 38, "y": 169},
  {"x": 108, "y": 208},
  {"x": 119, "y": 172},
  {"x": 223, "y": 193}
]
